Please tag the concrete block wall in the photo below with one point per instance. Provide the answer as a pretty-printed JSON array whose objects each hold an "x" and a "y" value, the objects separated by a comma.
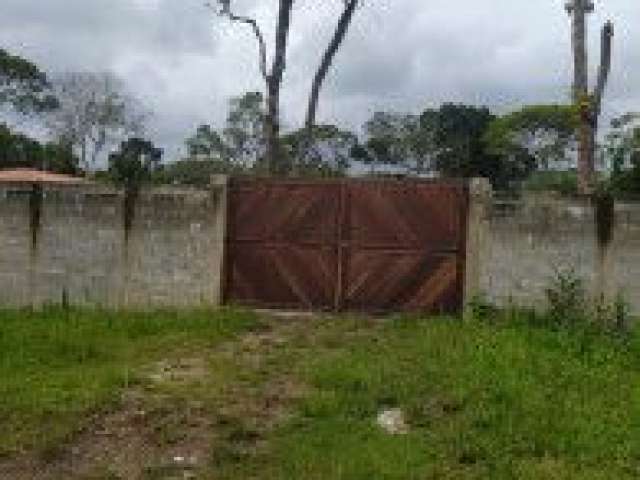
[
  {"x": 525, "y": 241},
  {"x": 69, "y": 243},
  {"x": 15, "y": 246},
  {"x": 625, "y": 253}
]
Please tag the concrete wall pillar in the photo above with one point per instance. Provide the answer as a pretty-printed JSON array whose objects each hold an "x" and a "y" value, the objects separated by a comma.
[
  {"x": 604, "y": 288},
  {"x": 219, "y": 185},
  {"x": 480, "y": 197}
]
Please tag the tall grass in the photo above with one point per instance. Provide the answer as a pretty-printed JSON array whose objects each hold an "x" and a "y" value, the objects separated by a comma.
[
  {"x": 482, "y": 401},
  {"x": 58, "y": 364}
]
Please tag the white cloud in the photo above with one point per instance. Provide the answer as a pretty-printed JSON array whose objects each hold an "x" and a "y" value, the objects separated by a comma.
[{"x": 399, "y": 55}]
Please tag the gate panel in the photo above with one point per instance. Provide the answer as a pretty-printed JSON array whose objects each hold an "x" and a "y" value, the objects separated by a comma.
[
  {"x": 406, "y": 246},
  {"x": 282, "y": 244},
  {"x": 283, "y": 276},
  {"x": 364, "y": 245}
]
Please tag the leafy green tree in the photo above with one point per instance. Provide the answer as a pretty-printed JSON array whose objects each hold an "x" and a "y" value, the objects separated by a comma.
[
  {"x": 58, "y": 157},
  {"x": 23, "y": 85},
  {"x": 95, "y": 112},
  {"x": 19, "y": 151},
  {"x": 448, "y": 141},
  {"x": 244, "y": 137},
  {"x": 462, "y": 151},
  {"x": 195, "y": 172},
  {"x": 238, "y": 148},
  {"x": 327, "y": 155},
  {"x": 459, "y": 132},
  {"x": 622, "y": 147},
  {"x": 206, "y": 143},
  {"x": 546, "y": 132},
  {"x": 134, "y": 163},
  {"x": 396, "y": 141}
]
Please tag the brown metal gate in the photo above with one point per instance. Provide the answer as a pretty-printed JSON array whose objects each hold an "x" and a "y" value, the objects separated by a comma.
[{"x": 362, "y": 245}]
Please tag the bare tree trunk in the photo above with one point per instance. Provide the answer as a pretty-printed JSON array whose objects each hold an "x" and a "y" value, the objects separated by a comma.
[
  {"x": 274, "y": 158},
  {"x": 274, "y": 84},
  {"x": 603, "y": 77},
  {"x": 579, "y": 33},
  {"x": 580, "y": 94},
  {"x": 327, "y": 59},
  {"x": 589, "y": 106},
  {"x": 272, "y": 128},
  {"x": 273, "y": 78}
]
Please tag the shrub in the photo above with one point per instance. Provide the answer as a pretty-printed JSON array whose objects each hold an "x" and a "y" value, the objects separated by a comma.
[
  {"x": 566, "y": 298},
  {"x": 570, "y": 306}
]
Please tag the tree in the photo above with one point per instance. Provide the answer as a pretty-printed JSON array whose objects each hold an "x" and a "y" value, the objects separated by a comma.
[
  {"x": 194, "y": 172},
  {"x": 205, "y": 144},
  {"x": 545, "y": 132},
  {"x": 241, "y": 142},
  {"x": 19, "y": 151},
  {"x": 461, "y": 150},
  {"x": 327, "y": 153},
  {"x": 23, "y": 86},
  {"x": 273, "y": 76},
  {"x": 59, "y": 157},
  {"x": 622, "y": 147},
  {"x": 449, "y": 141},
  {"x": 134, "y": 163},
  {"x": 327, "y": 60},
  {"x": 590, "y": 104},
  {"x": 95, "y": 111},
  {"x": 244, "y": 132},
  {"x": 459, "y": 133},
  {"x": 397, "y": 141}
]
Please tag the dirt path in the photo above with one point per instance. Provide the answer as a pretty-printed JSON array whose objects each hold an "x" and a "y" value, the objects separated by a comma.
[{"x": 188, "y": 412}]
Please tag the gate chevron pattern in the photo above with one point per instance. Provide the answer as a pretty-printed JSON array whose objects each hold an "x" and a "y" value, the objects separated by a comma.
[{"x": 361, "y": 245}]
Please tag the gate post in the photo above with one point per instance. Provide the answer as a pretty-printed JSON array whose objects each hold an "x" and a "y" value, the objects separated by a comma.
[
  {"x": 219, "y": 187},
  {"x": 480, "y": 194}
]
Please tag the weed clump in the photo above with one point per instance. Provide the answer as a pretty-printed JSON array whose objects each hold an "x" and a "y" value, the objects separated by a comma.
[{"x": 568, "y": 306}]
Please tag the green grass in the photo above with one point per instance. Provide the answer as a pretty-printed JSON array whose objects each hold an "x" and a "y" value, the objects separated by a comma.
[
  {"x": 497, "y": 402},
  {"x": 57, "y": 366}
]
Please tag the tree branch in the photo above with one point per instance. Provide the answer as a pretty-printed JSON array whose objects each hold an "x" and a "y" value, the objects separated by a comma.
[
  {"x": 605, "y": 68},
  {"x": 327, "y": 59},
  {"x": 262, "y": 45},
  {"x": 282, "y": 35},
  {"x": 274, "y": 82}
]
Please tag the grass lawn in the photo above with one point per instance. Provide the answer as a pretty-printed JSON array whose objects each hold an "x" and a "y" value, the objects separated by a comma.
[
  {"x": 57, "y": 365},
  {"x": 298, "y": 398}
]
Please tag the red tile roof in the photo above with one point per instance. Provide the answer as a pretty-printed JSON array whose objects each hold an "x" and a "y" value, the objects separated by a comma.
[{"x": 28, "y": 175}]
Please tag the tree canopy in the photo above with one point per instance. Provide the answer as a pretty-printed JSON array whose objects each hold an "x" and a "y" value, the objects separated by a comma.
[
  {"x": 134, "y": 163},
  {"x": 23, "y": 85},
  {"x": 545, "y": 132},
  {"x": 95, "y": 112},
  {"x": 326, "y": 151},
  {"x": 19, "y": 151}
]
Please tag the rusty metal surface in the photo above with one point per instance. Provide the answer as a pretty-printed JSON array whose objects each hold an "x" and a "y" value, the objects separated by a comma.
[{"x": 364, "y": 245}]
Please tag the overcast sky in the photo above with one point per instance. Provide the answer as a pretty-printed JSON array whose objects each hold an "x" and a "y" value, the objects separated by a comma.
[{"x": 400, "y": 55}]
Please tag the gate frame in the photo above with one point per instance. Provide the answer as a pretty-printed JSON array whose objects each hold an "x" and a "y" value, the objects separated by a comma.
[{"x": 471, "y": 241}]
